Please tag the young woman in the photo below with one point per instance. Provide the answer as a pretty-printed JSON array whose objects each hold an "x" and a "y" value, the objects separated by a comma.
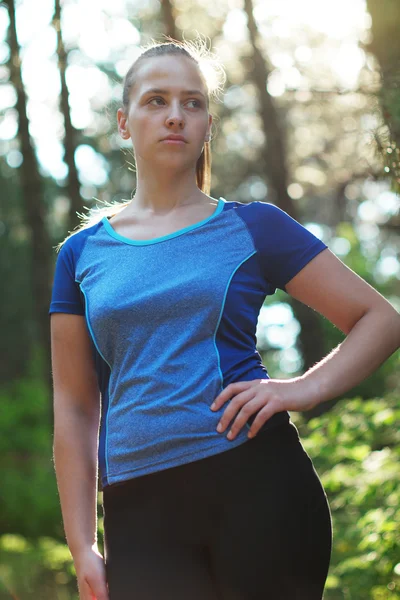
[{"x": 208, "y": 493}]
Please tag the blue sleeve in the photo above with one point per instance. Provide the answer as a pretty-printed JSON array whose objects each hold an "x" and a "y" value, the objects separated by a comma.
[
  {"x": 66, "y": 294},
  {"x": 284, "y": 246}
]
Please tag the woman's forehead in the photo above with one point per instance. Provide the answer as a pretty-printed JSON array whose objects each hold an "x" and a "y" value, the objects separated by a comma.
[{"x": 168, "y": 72}]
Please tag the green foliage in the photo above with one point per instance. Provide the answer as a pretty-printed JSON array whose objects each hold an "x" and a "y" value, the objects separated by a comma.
[
  {"x": 46, "y": 565},
  {"x": 28, "y": 496},
  {"x": 355, "y": 449},
  {"x": 16, "y": 314}
]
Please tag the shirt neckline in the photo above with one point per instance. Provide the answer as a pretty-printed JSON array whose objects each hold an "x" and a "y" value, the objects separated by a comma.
[{"x": 109, "y": 228}]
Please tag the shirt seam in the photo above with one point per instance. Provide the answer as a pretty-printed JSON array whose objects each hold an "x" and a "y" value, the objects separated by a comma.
[
  {"x": 124, "y": 240},
  {"x": 271, "y": 286}
]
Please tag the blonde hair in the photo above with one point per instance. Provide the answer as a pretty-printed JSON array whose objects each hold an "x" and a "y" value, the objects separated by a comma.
[{"x": 214, "y": 78}]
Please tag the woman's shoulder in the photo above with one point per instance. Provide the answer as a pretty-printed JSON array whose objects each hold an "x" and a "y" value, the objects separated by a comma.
[
  {"x": 75, "y": 240},
  {"x": 254, "y": 207},
  {"x": 257, "y": 212}
]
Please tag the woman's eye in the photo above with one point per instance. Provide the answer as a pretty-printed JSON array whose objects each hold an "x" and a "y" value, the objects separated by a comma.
[
  {"x": 155, "y": 99},
  {"x": 197, "y": 102}
]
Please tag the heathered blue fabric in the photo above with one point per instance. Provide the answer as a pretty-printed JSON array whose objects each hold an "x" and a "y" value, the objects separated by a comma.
[{"x": 172, "y": 322}]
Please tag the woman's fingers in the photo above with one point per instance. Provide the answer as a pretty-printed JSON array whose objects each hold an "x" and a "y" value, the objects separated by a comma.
[
  {"x": 247, "y": 398},
  {"x": 262, "y": 417},
  {"x": 92, "y": 580},
  {"x": 100, "y": 590},
  {"x": 248, "y": 409},
  {"x": 97, "y": 591},
  {"x": 85, "y": 591},
  {"x": 231, "y": 390},
  {"x": 233, "y": 408}
]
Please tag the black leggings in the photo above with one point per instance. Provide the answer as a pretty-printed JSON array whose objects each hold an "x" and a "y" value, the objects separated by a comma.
[{"x": 250, "y": 523}]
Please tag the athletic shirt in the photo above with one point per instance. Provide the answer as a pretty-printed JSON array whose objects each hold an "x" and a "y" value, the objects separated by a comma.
[{"x": 172, "y": 322}]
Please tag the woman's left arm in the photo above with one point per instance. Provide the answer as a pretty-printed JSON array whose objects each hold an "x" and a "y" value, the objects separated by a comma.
[
  {"x": 370, "y": 322},
  {"x": 372, "y": 328}
]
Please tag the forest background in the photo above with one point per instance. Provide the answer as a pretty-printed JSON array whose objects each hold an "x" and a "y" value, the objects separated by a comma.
[{"x": 309, "y": 120}]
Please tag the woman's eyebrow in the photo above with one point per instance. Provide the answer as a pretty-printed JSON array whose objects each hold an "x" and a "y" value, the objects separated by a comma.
[{"x": 166, "y": 92}]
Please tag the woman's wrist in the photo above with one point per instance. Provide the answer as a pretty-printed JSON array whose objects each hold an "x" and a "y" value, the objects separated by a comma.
[
  {"x": 80, "y": 550},
  {"x": 307, "y": 392}
]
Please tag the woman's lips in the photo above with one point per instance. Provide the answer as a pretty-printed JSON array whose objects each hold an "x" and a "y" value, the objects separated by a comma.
[{"x": 167, "y": 141}]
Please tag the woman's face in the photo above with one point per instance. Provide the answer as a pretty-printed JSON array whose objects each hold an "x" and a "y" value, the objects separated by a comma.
[{"x": 175, "y": 108}]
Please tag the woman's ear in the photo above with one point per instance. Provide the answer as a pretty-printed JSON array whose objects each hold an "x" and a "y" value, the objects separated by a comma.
[{"x": 122, "y": 124}]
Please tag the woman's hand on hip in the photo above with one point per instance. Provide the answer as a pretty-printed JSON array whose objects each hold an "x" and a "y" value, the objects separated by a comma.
[{"x": 262, "y": 396}]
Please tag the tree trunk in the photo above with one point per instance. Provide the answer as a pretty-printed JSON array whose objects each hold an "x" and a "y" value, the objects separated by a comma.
[
  {"x": 311, "y": 340},
  {"x": 169, "y": 20},
  {"x": 40, "y": 268},
  {"x": 385, "y": 15},
  {"x": 71, "y": 134}
]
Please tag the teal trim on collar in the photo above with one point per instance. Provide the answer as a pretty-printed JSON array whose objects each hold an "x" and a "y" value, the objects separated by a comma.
[{"x": 122, "y": 238}]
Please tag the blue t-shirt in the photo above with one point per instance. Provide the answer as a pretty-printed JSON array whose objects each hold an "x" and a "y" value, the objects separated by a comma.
[{"x": 172, "y": 321}]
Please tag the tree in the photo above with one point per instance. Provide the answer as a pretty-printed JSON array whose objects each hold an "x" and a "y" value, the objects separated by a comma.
[
  {"x": 33, "y": 205},
  {"x": 385, "y": 46}
]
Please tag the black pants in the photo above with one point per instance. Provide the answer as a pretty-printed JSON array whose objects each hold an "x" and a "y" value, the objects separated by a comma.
[{"x": 250, "y": 523}]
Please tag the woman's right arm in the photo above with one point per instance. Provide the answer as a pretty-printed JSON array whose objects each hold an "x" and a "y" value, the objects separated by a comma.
[{"x": 76, "y": 425}]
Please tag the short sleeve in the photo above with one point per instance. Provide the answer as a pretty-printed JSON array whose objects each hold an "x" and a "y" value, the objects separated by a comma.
[
  {"x": 66, "y": 294},
  {"x": 284, "y": 246}
]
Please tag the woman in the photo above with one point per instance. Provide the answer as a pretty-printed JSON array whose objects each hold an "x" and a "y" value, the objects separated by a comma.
[{"x": 207, "y": 490}]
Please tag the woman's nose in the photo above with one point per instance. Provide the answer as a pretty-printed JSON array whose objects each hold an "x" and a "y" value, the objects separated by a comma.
[
  {"x": 173, "y": 121},
  {"x": 175, "y": 116}
]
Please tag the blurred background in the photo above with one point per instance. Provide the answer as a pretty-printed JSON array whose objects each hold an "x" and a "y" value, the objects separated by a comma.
[{"x": 309, "y": 120}]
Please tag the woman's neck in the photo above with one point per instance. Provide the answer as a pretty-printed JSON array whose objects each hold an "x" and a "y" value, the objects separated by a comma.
[{"x": 159, "y": 195}]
